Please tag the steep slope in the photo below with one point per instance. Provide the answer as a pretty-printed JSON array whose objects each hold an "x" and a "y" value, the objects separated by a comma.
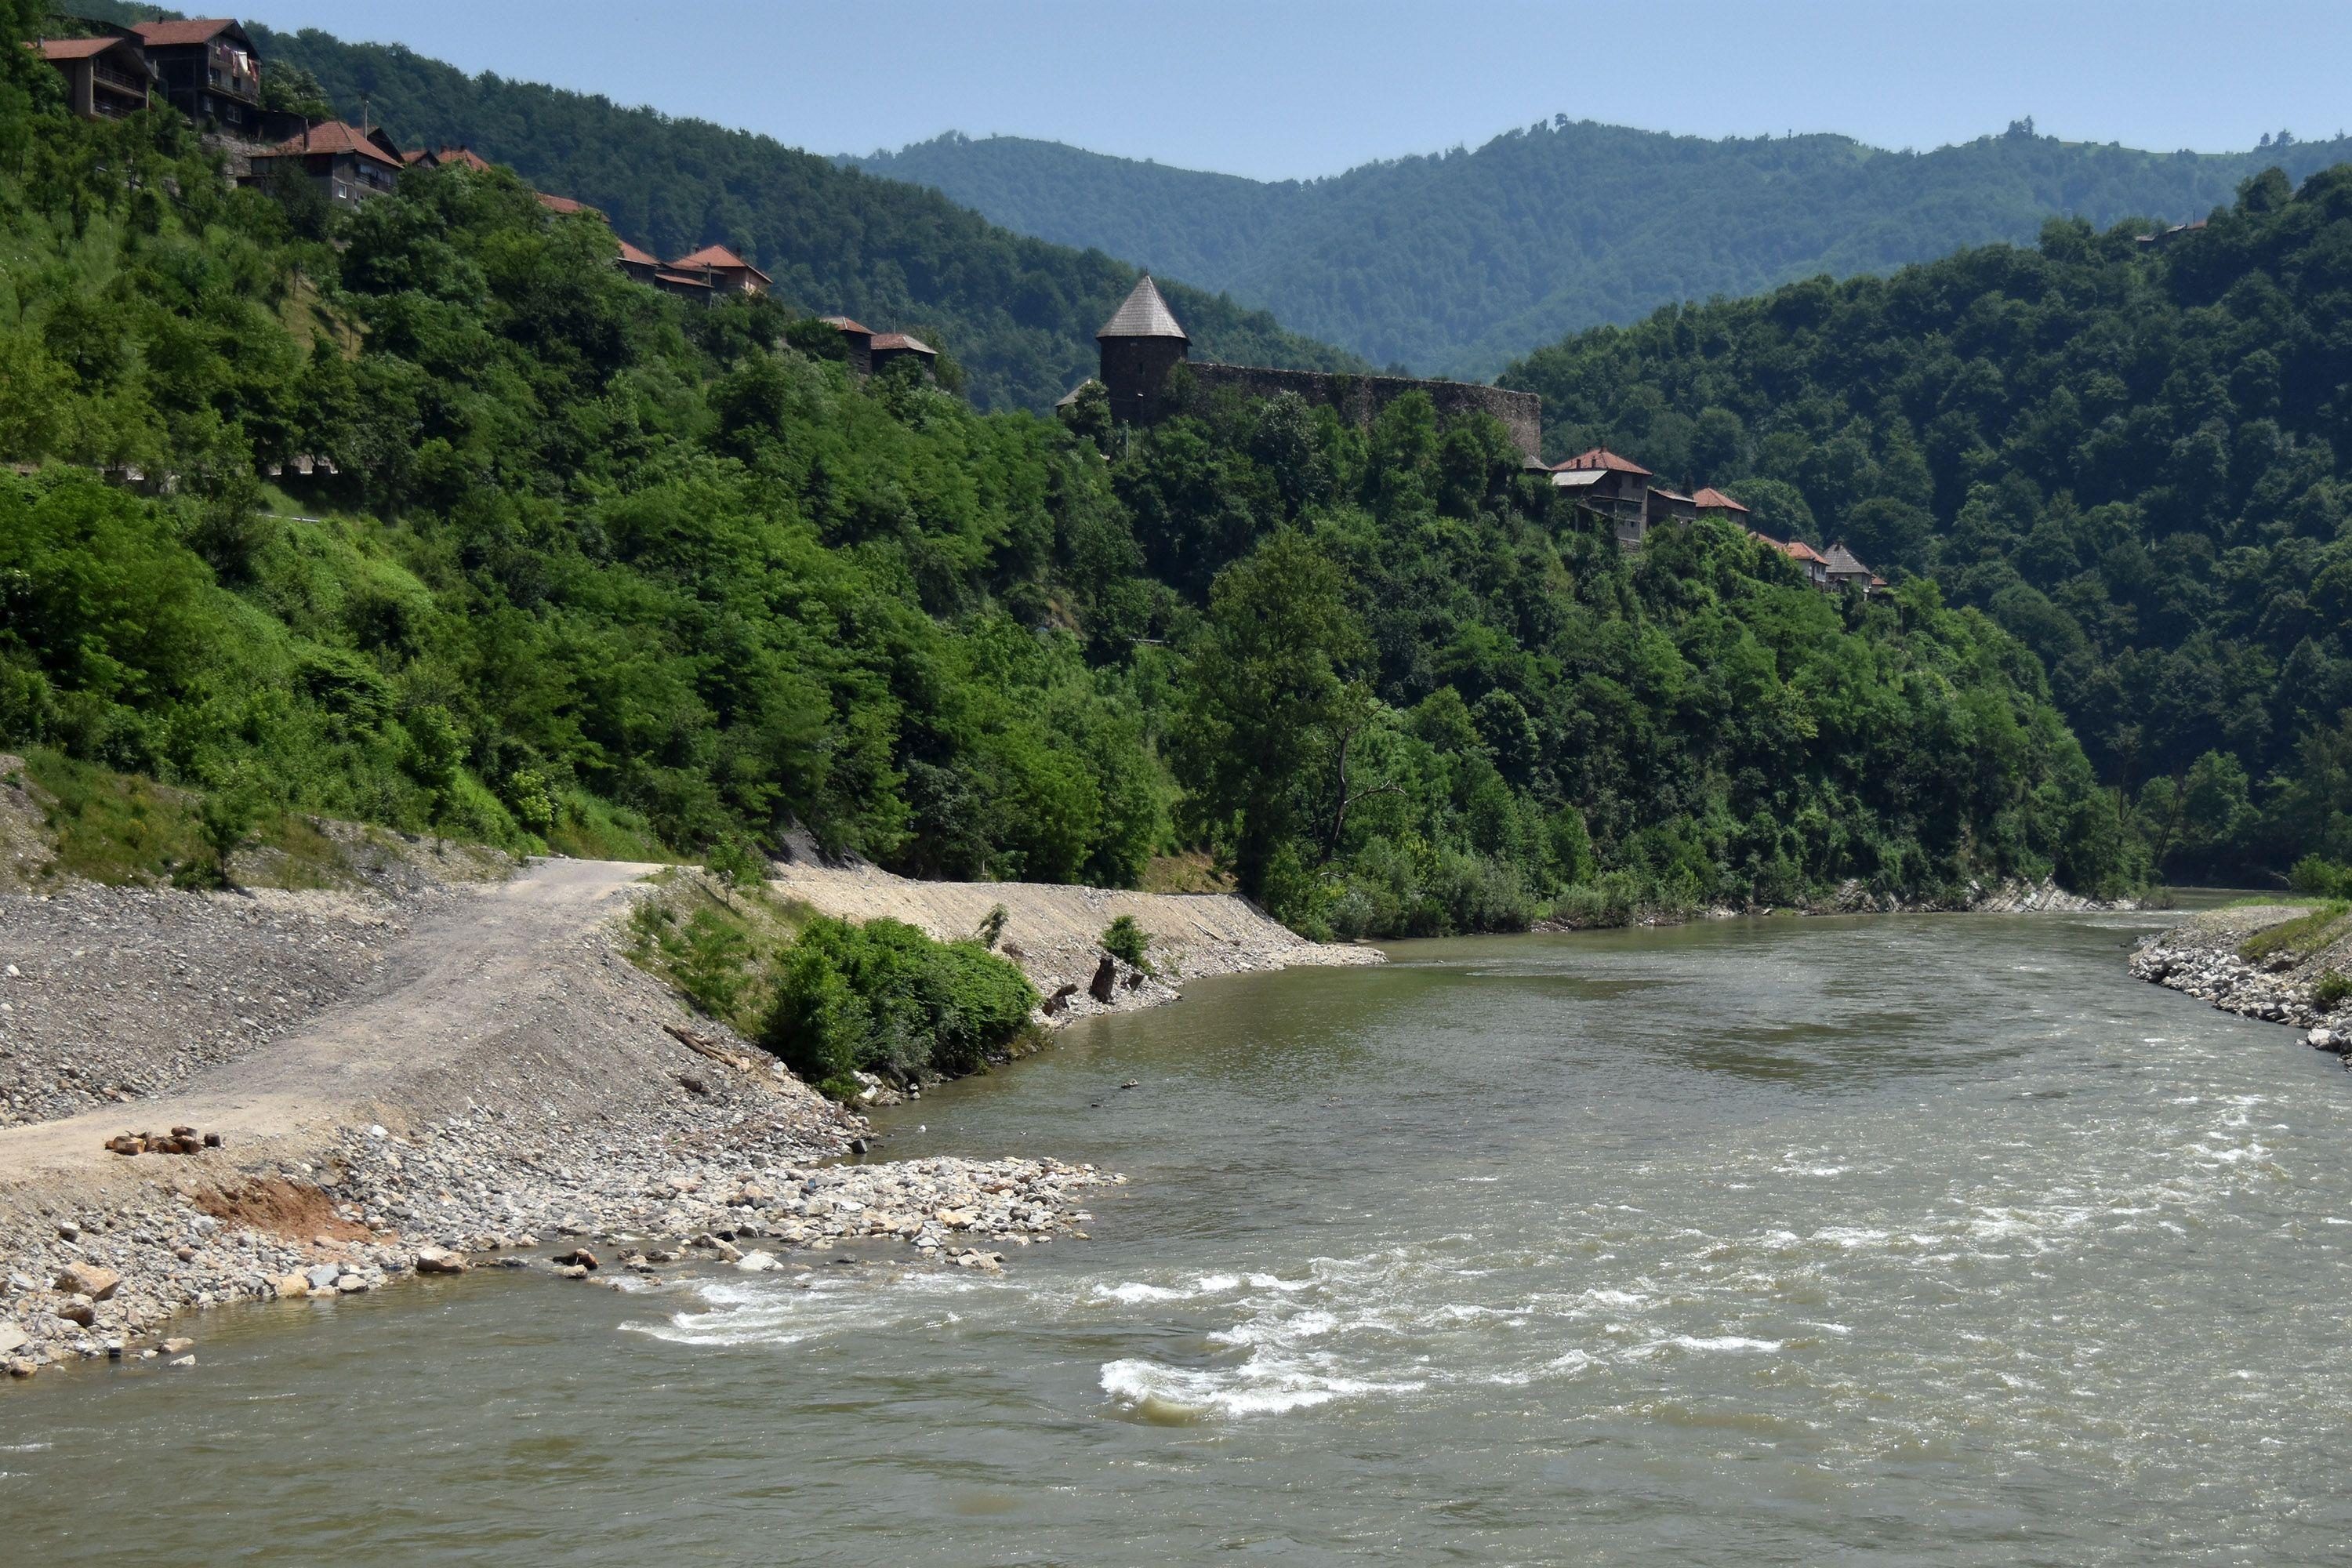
[
  {"x": 1018, "y": 314},
  {"x": 2132, "y": 457},
  {"x": 1452, "y": 263}
]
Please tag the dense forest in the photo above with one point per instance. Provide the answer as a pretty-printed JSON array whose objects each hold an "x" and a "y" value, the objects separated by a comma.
[
  {"x": 1017, "y": 315},
  {"x": 1456, "y": 262},
  {"x": 2131, "y": 457},
  {"x": 604, "y": 571}
]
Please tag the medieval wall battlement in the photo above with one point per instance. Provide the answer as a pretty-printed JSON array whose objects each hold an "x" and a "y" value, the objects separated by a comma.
[{"x": 1150, "y": 375}]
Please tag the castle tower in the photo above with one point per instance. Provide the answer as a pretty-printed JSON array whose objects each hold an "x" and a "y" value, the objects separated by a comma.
[{"x": 1139, "y": 346}]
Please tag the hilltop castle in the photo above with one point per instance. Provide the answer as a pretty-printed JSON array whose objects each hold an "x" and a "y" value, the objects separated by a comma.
[{"x": 1143, "y": 347}]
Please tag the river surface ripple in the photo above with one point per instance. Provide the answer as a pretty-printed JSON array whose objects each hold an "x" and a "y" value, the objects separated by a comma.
[{"x": 1929, "y": 1238}]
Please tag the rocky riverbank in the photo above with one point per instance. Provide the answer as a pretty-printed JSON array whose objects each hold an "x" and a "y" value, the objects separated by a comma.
[
  {"x": 482, "y": 1076},
  {"x": 2207, "y": 958}
]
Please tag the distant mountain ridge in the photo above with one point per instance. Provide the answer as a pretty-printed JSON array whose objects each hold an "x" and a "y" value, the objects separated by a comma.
[
  {"x": 1018, "y": 314},
  {"x": 1457, "y": 262}
]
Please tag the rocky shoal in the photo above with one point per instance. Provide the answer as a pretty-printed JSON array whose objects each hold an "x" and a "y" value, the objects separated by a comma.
[
  {"x": 105, "y": 1282},
  {"x": 2193, "y": 963}
]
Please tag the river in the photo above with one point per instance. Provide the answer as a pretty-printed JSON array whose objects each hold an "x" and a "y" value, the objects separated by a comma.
[{"x": 1934, "y": 1239}]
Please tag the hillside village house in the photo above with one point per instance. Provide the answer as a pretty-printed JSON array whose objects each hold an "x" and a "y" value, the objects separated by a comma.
[
  {"x": 106, "y": 78},
  {"x": 348, "y": 164},
  {"x": 1611, "y": 487},
  {"x": 206, "y": 69}
]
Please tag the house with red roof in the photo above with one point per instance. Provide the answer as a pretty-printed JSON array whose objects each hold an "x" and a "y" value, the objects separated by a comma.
[
  {"x": 1612, "y": 486},
  {"x": 106, "y": 78},
  {"x": 891, "y": 347},
  {"x": 207, "y": 69},
  {"x": 348, "y": 164},
  {"x": 723, "y": 271}
]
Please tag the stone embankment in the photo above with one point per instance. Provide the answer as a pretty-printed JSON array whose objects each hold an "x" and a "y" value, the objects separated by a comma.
[
  {"x": 1055, "y": 932},
  {"x": 482, "y": 1072},
  {"x": 2204, "y": 959},
  {"x": 2013, "y": 895}
]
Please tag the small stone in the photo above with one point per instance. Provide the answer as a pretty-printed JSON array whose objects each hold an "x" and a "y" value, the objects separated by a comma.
[
  {"x": 293, "y": 1288},
  {"x": 88, "y": 1279},
  {"x": 578, "y": 1257},
  {"x": 177, "y": 1345},
  {"x": 352, "y": 1285},
  {"x": 182, "y": 1361},
  {"x": 21, "y": 1367},
  {"x": 69, "y": 1233},
  {"x": 77, "y": 1309},
  {"x": 12, "y": 1338},
  {"x": 756, "y": 1262},
  {"x": 573, "y": 1271},
  {"x": 323, "y": 1276},
  {"x": 440, "y": 1261}
]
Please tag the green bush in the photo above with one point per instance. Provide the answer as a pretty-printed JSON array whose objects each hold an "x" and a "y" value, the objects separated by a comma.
[
  {"x": 884, "y": 998},
  {"x": 1126, "y": 941},
  {"x": 2317, "y": 877},
  {"x": 2330, "y": 990}
]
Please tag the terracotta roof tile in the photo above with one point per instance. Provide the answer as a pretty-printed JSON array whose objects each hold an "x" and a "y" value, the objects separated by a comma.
[
  {"x": 901, "y": 341},
  {"x": 78, "y": 48},
  {"x": 333, "y": 136},
  {"x": 1709, "y": 496},
  {"x": 561, "y": 203},
  {"x": 636, "y": 258},
  {"x": 843, "y": 324},
  {"x": 1602, "y": 458},
  {"x": 195, "y": 30},
  {"x": 720, "y": 258}
]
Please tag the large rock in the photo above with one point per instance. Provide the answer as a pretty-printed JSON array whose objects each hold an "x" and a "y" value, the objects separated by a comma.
[
  {"x": 88, "y": 1279},
  {"x": 440, "y": 1261},
  {"x": 293, "y": 1287},
  {"x": 323, "y": 1276},
  {"x": 12, "y": 1338}
]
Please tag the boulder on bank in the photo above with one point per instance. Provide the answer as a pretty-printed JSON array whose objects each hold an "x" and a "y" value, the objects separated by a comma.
[{"x": 88, "y": 1279}]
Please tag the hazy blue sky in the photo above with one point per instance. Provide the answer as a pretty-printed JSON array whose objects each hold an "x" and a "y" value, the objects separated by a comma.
[{"x": 1306, "y": 88}]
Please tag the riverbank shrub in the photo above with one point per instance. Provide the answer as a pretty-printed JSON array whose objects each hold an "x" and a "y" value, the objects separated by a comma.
[
  {"x": 2315, "y": 877},
  {"x": 1127, "y": 942},
  {"x": 884, "y": 998}
]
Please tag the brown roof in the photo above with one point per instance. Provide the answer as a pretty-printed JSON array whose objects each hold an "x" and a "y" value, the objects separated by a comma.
[
  {"x": 561, "y": 203},
  {"x": 1709, "y": 496},
  {"x": 439, "y": 155},
  {"x": 1665, "y": 494},
  {"x": 843, "y": 324},
  {"x": 901, "y": 341},
  {"x": 636, "y": 258},
  {"x": 720, "y": 259},
  {"x": 196, "y": 30},
  {"x": 78, "y": 49},
  {"x": 692, "y": 279},
  {"x": 1602, "y": 458},
  {"x": 333, "y": 136}
]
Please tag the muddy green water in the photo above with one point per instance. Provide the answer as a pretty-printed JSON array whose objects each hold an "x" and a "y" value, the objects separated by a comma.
[{"x": 1931, "y": 1239}]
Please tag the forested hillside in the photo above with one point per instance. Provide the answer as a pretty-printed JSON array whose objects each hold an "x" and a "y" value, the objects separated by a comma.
[
  {"x": 2133, "y": 458},
  {"x": 1017, "y": 315},
  {"x": 604, "y": 571},
  {"x": 1458, "y": 262}
]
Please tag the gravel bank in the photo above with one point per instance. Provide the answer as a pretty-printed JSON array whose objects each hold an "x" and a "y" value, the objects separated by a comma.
[
  {"x": 1055, "y": 932},
  {"x": 2201, "y": 959},
  {"x": 111, "y": 994},
  {"x": 503, "y": 1077}
]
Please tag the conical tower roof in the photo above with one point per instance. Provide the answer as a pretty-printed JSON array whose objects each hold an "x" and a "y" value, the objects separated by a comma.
[{"x": 1145, "y": 315}]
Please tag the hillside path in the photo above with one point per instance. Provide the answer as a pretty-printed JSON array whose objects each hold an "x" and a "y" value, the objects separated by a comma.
[{"x": 446, "y": 987}]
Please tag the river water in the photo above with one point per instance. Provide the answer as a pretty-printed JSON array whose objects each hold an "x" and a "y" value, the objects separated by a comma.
[{"x": 1929, "y": 1238}]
